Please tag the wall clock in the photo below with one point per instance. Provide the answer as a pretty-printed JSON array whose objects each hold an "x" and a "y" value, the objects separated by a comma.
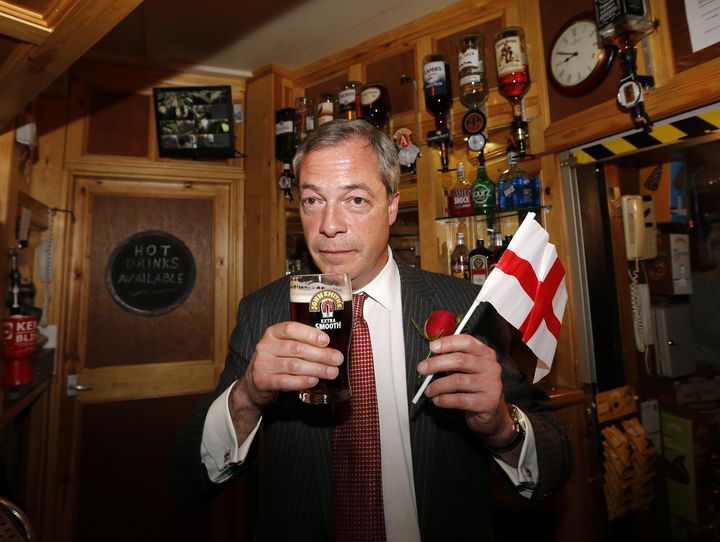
[{"x": 578, "y": 61}]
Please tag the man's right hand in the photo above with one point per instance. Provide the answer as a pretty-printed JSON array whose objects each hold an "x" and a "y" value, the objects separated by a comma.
[{"x": 290, "y": 356}]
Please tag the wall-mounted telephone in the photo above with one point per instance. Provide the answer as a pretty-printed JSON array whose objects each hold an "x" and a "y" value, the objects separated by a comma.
[{"x": 638, "y": 213}]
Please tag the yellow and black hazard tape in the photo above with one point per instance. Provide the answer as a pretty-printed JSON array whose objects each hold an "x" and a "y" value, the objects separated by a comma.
[{"x": 691, "y": 124}]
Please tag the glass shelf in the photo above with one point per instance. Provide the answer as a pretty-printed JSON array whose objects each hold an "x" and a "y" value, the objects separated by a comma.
[{"x": 519, "y": 212}]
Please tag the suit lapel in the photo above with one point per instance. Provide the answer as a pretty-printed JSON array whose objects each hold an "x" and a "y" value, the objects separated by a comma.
[{"x": 416, "y": 305}]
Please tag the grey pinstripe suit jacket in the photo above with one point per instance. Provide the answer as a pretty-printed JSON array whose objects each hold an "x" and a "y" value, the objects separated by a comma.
[{"x": 450, "y": 464}]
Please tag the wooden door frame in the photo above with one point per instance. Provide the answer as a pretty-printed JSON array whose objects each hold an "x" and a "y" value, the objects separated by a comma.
[{"x": 151, "y": 180}]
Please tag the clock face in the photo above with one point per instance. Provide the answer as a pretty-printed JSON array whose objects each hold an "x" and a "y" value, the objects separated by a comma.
[{"x": 577, "y": 62}]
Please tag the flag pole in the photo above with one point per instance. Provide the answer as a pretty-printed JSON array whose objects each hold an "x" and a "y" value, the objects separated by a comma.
[
  {"x": 458, "y": 329},
  {"x": 529, "y": 217}
]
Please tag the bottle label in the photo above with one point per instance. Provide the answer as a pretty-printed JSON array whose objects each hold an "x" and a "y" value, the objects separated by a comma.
[
  {"x": 459, "y": 269},
  {"x": 369, "y": 95},
  {"x": 525, "y": 191},
  {"x": 347, "y": 99},
  {"x": 324, "y": 112},
  {"x": 470, "y": 79},
  {"x": 483, "y": 195},
  {"x": 470, "y": 59},
  {"x": 460, "y": 201},
  {"x": 509, "y": 55},
  {"x": 434, "y": 76},
  {"x": 478, "y": 269},
  {"x": 509, "y": 190},
  {"x": 284, "y": 127},
  {"x": 309, "y": 123}
]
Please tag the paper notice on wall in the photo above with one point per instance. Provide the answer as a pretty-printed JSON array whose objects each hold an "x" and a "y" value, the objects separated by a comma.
[{"x": 703, "y": 18}]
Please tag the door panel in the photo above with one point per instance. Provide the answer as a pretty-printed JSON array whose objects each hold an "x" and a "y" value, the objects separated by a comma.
[
  {"x": 124, "y": 492},
  {"x": 116, "y": 336},
  {"x": 145, "y": 372}
]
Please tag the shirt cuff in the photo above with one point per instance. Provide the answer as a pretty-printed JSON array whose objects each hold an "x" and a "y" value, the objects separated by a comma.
[
  {"x": 219, "y": 450},
  {"x": 525, "y": 475}
]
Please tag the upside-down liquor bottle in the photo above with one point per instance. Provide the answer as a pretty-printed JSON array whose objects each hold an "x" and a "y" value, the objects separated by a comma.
[
  {"x": 375, "y": 104},
  {"x": 471, "y": 71},
  {"x": 513, "y": 76},
  {"x": 438, "y": 101}
]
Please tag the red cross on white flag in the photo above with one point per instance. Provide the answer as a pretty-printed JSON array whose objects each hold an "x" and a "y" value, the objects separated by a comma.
[{"x": 527, "y": 288}]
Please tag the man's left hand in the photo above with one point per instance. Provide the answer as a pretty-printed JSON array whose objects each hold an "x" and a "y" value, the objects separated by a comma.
[{"x": 473, "y": 385}]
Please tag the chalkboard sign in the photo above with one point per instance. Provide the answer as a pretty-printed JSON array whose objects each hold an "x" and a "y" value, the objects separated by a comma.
[{"x": 150, "y": 273}]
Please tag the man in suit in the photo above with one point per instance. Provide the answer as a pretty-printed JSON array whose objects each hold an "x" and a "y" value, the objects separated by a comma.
[{"x": 436, "y": 456}]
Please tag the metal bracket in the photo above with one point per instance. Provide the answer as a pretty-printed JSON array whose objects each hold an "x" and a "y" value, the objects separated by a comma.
[{"x": 571, "y": 161}]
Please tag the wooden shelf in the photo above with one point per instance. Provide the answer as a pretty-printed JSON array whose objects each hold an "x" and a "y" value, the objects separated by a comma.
[
  {"x": 493, "y": 216},
  {"x": 39, "y": 219}
]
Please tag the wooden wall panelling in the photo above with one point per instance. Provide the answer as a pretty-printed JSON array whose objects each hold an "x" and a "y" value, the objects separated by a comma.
[
  {"x": 579, "y": 507},
  {"x": 659, "y": 44},
  {"x": 77, "y": 26},
  {"x": 118, "y": 124},
  {"x": 9, "y": 173},
  {"x": 49, "y": 184},
  {"x": 119, "y": 95},
  {"x": 397, "y": 39},
  {"x": 679, "y": 32},
  {"x": 264, "y": 249}
]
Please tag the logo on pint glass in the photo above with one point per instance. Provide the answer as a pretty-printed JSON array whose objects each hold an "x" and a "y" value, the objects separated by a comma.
[{"x": 326, "y": 303}]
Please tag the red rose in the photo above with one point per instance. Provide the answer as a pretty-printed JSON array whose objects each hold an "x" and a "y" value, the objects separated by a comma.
[{"x": 440, "y": 324}]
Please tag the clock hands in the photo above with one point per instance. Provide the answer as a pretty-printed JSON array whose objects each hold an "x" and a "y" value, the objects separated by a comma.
[{"x": 568, "y": 57}]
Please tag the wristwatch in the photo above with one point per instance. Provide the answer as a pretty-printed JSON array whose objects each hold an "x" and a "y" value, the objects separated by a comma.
[{"x": 519, "y": 427}]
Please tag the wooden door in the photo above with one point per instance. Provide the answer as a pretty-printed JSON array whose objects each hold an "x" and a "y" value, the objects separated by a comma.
[{"x": 145, "y": 368}]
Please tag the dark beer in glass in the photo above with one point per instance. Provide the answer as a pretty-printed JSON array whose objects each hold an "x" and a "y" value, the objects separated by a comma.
[{"x": 324, "y": 301}]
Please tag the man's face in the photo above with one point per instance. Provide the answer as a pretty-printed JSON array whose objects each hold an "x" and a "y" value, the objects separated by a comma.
[{"x": 345, "y": 211}]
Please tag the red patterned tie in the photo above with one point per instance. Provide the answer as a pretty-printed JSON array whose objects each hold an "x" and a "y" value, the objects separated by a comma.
[{"x": 357, "y": 476}]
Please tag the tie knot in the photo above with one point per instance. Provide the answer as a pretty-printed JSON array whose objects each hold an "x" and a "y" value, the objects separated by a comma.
[{"x": 358, "y": 301}]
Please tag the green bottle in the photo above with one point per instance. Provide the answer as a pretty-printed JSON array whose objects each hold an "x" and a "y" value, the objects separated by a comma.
[{"x": 483, "y": 189}]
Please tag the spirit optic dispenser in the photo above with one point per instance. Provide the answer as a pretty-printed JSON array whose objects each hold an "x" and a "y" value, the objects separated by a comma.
[{"x": 624, "y": 23}]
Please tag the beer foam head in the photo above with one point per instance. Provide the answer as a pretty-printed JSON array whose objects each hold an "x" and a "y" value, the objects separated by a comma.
[{"x": 303, "y": 292}]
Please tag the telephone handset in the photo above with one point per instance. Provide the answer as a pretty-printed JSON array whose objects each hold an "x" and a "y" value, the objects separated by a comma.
[
  {"x": 639, "y": 226},
  {"x": 640, "y": 230}
]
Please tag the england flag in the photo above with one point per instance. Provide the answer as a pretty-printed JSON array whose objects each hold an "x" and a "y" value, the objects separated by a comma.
[{"x": 527, "y": 288}]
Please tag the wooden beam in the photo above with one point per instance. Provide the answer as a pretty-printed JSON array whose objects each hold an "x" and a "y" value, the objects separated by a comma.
[
  {"x": 22, "y": 24},
  {"x": 30, "y": 69}
]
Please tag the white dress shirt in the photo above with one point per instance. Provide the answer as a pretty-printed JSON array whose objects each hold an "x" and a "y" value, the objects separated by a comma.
[{"x": 383, "y": 312}]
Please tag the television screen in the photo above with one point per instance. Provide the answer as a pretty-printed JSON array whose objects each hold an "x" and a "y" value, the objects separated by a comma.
[{"x": 194, "y": 122}]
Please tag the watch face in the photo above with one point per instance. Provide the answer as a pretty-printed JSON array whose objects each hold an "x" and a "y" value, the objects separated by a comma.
[{"x": 577, "y": 60}]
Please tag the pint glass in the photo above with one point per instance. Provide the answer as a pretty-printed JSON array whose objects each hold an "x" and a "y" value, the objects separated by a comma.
[{"x": 325, "y": 302}]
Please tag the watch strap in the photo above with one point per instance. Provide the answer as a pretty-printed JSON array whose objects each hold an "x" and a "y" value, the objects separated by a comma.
[{"x": 518, "y": 437}]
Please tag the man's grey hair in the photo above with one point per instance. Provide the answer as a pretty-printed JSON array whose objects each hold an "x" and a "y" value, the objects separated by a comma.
[{"x": 338, "y": 132}]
